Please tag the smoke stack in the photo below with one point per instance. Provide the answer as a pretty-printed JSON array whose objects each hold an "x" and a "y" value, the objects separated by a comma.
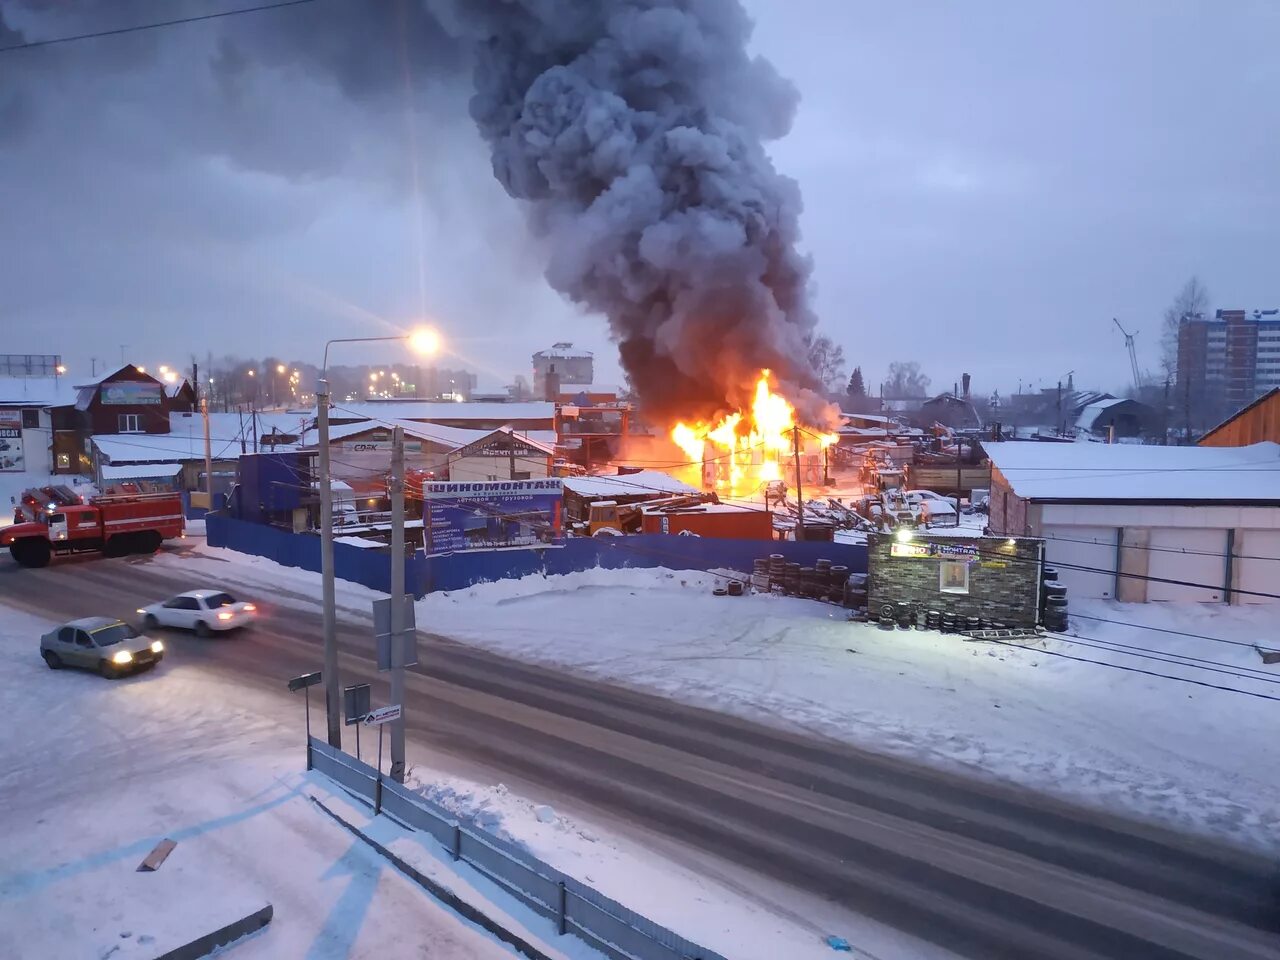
[
  {"x": 552, "y": 385},
  {"x": 964, "y": 382}
]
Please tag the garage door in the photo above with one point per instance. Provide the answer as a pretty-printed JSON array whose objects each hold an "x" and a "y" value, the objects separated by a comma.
[
  {"x": 1190, "y": 556},
  {"x": 1257, "y": 570},
  {"x": 1085, "y": 558}
]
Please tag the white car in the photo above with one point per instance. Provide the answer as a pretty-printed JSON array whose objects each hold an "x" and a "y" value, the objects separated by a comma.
[{"x": 204, "y": 611}]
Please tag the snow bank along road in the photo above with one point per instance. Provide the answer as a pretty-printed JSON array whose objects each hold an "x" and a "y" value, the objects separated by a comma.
[{"x": 984, "y": 871}]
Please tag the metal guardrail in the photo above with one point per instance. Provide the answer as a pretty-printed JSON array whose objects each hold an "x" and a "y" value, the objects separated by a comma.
[{"x": 577, "y": 909}]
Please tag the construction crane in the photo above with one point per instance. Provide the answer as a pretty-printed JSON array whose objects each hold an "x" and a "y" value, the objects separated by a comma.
[{"x": 1133, "y": 353}]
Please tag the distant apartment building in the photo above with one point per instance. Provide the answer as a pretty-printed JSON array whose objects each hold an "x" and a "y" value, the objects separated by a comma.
[
  {"x": 565, "y": 365},
  {"x": 1232, "y": 359}
]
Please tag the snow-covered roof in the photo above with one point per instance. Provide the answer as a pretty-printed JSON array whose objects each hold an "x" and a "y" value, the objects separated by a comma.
[
  {"x": 162, "y": 447},
  {"x": 1094, "y": 410},
  {"x": 538, "y": 439},
  {"x": 627, "y": 485},
  {"x": 228, "y": 425},
  {"x": 432, "y": 410},
  {"x": 1109, "y": 471},
  {"x": 141, "y": 471},
  {"x": 36, "y": 391}
]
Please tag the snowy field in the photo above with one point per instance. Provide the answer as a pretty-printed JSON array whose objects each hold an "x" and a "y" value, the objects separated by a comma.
[
  {"x": 113, "y": 767},
  {"x": 1195, "y": 758}
]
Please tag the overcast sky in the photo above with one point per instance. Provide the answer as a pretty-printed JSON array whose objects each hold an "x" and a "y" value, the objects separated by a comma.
[{"x": 985, "y": 185}]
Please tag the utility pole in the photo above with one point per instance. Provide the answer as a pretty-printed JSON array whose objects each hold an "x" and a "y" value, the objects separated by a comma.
[
  {"x": 795, "y": 442},
  {"x": 208, "y": 451},
  {"x": 332, "y": 695},
  {"x": 397, "y": 602},
  {"x": 959, "y": 476},
  {"x": 1164, "y": 418}
]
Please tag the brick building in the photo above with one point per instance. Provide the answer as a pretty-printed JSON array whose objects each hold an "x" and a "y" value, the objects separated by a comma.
[
  {"x": 997, "y": 579},
  {"x": 1228, "y": 361}
]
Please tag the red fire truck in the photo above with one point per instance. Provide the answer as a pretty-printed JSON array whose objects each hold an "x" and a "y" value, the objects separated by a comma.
[{"x": 113, "y": 524}]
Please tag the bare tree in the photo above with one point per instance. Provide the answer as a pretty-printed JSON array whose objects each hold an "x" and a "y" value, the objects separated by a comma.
[
  {"x": 1191, "y": 303},
  {"x": 827, "y": 359},
  {"x": 905, "y": 380}
]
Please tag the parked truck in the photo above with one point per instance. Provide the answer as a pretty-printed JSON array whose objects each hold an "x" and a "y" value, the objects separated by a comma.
[{"x": 112, "y": 524}]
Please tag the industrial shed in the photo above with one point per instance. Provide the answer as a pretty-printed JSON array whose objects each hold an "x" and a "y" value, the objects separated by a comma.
[
  {"x": 1254, "y": 423},
  {"x": 1139, "y": 523}
]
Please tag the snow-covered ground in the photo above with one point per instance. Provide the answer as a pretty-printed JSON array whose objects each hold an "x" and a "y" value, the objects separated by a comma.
[
  {"x": 107, "y": 769},
  {"x": 1193, "y": 757}
]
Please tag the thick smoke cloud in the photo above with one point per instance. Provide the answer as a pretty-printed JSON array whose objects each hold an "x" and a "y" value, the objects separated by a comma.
[{"x": 634, "y": 129}]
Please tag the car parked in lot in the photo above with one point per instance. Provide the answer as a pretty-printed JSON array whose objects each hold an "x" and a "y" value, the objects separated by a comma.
[
  {"x": 105, "y": 645},
  {"x": 204, "y": 611}
]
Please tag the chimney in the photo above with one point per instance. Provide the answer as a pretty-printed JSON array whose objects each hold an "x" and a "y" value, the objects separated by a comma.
[
  {"x": 552, "y": 381},
  {"x": 964, "y": 382}
]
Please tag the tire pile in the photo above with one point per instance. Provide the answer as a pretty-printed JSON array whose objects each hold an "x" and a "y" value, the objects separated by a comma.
[
  {"x": 827, "y": 581},
  {"x": 904, "y": 616},
  {"x": 1053, "y": 601}
]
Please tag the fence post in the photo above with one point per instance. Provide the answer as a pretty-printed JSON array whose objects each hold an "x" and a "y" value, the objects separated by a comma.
[
  {"x": 457, "y": 842},
  {"x": 561, "y": 909}
]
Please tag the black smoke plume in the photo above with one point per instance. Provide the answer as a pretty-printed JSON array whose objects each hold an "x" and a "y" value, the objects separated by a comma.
[{"x": 634, "y": 129}]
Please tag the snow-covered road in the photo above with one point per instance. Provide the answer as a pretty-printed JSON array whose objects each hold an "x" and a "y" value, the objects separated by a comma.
[{"x": 1179, "y": 753}]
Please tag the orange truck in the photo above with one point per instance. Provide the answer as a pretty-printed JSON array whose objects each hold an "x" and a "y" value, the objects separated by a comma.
[{"x": 113, "y": 524}]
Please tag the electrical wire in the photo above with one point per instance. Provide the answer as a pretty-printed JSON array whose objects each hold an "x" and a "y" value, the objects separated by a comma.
[{"x": 136, "y": 28}]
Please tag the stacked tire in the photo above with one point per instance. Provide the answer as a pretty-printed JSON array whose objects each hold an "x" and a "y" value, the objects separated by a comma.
[{"x": 1053, "y": 602}]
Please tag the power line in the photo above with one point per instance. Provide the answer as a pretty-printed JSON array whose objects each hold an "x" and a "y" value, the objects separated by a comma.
[
  {"x": 1149, "y": 673},
  {"x": 153, "y": 26}
]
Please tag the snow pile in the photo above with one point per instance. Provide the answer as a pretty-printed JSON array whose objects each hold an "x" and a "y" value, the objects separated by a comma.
[{"x": 1175, "y": 752}]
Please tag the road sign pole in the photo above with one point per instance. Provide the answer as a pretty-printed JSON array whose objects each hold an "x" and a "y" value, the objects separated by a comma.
[
  {"x": 377, "y": 792},
  {"x": 397, "y": 602},
  {"x": 307, "y": 693}
]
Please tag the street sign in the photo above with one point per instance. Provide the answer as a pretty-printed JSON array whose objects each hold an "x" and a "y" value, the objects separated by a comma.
[
  {"x": 382, "y": 715},
  {"x": 306, "y": 680},
  {"x": 355, "y": 703},
  {"x": 382, "y": 633}
]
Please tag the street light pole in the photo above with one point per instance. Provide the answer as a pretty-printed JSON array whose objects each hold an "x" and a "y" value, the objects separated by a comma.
[
  {"x": 332, "y": 703},
  {"x": 397, "y": 602},
  {"x": 424, "y": 342}
]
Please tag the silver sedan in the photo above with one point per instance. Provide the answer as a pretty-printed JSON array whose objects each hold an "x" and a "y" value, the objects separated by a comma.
[{"x": 103, "y": 644}]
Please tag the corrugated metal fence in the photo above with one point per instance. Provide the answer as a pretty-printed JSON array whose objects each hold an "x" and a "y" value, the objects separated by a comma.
[
  {"x": 602, "y": 923},
  {"x": 459, "y": 570}
]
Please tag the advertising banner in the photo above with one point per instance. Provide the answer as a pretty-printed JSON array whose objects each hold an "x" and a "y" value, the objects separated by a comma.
[
  {"x": 131, "y": 393},
  {"x": 12, "y": 459},
  {"x": 485, "y": 514}
]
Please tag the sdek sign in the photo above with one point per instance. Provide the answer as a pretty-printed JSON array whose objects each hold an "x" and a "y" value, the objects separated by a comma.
[{"x": 379, "y": 446}]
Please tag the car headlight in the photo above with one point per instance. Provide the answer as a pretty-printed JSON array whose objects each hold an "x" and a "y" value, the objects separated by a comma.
[
  {"x": 140, "y": 610},
  {"x": 224, "y": 616},
  {"x": 157, "y": 647},
  {"x": 124, "y": 656},
  {"x": 249, "y": 608}
]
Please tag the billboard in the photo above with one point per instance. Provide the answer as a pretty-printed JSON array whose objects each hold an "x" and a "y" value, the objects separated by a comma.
[
  {"x": 12, "y": 459},
  {"x": 132, "y": 393},
  {"x": 486, "y": 514}
]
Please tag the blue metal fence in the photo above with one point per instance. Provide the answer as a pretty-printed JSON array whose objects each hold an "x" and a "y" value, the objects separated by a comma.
[{"x": 457, "y": 571}]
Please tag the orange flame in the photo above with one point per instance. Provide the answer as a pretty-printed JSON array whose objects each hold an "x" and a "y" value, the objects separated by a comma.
[{"x": 744, "y": 451}]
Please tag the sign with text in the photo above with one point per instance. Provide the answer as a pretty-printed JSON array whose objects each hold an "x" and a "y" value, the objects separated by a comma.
[
  {"x": 382, "y": 715},
  {"x": 929, "y": 548},
  {"x": 379, "y": 446},
  {"x": 485, "y": 514},
  {"x": 12, "y": 457},
  {"x": 131, "y": 393}
]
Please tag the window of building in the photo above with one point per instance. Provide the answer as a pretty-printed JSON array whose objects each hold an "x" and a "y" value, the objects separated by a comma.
[
  {"x": 64, "y": 461},
  {"x": 30, "y": 418},
  {"x": 953, "y": 576},
  {"x": 130, "y": 423}
]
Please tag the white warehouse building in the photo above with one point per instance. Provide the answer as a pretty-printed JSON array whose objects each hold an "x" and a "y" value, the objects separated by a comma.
[{"x": 1138, "y": 523}]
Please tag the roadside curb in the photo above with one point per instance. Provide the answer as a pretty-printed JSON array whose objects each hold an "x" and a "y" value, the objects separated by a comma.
[
  {"x": 205, "y": 945},
  {"x": 445, "y": 896}
]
